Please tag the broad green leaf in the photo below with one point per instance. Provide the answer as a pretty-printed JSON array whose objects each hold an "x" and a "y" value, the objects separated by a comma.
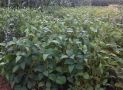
[
  {"x": 15, "y": 68},
  {"x": 69, "y": 62},
  {"x": 71, "y": 67},
  {"x": 46, "y": 73},
  {"x": 48, "y": 84},
  {"x": 40, "y": 76},
  {"x": 41, "y": 84},
  {"x": 69, "y": 52},
  {"x": 18, "y": 58},
  {"x": 61, "y": 80},
  {"x": 10, "y": 43},
  {"x": 54, "y": 41},
  {"x": 2, "y": 44},
  {"x": 86, "y": 76},
  {"x": 45, "y": 56},
  {"x": 64, "y": 56},
  {"x": 29, "y": 85},
  {"x": 52, "y": 77},
  {"x": 23, "y": 65},
  {"x": 1, "y": 58}
]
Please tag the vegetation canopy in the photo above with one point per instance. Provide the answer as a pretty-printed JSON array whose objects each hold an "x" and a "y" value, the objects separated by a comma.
[{"x": 67, "y": 49}]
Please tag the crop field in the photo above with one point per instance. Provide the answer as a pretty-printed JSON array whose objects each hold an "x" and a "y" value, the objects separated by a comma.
[{"x": 62, "y": 49}]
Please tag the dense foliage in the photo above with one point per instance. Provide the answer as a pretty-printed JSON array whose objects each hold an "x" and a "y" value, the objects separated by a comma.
[{"x": 62, "y": 50}]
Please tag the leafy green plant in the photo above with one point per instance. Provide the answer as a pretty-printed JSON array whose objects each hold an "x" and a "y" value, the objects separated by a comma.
[{"x": 67, "y": 52}]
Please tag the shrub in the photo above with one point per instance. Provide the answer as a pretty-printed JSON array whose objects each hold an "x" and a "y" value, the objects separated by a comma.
[{"x": 62, "y": 53}]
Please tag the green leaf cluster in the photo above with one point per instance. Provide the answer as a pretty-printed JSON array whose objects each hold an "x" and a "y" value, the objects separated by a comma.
[{"x": 61, "y": 53}]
